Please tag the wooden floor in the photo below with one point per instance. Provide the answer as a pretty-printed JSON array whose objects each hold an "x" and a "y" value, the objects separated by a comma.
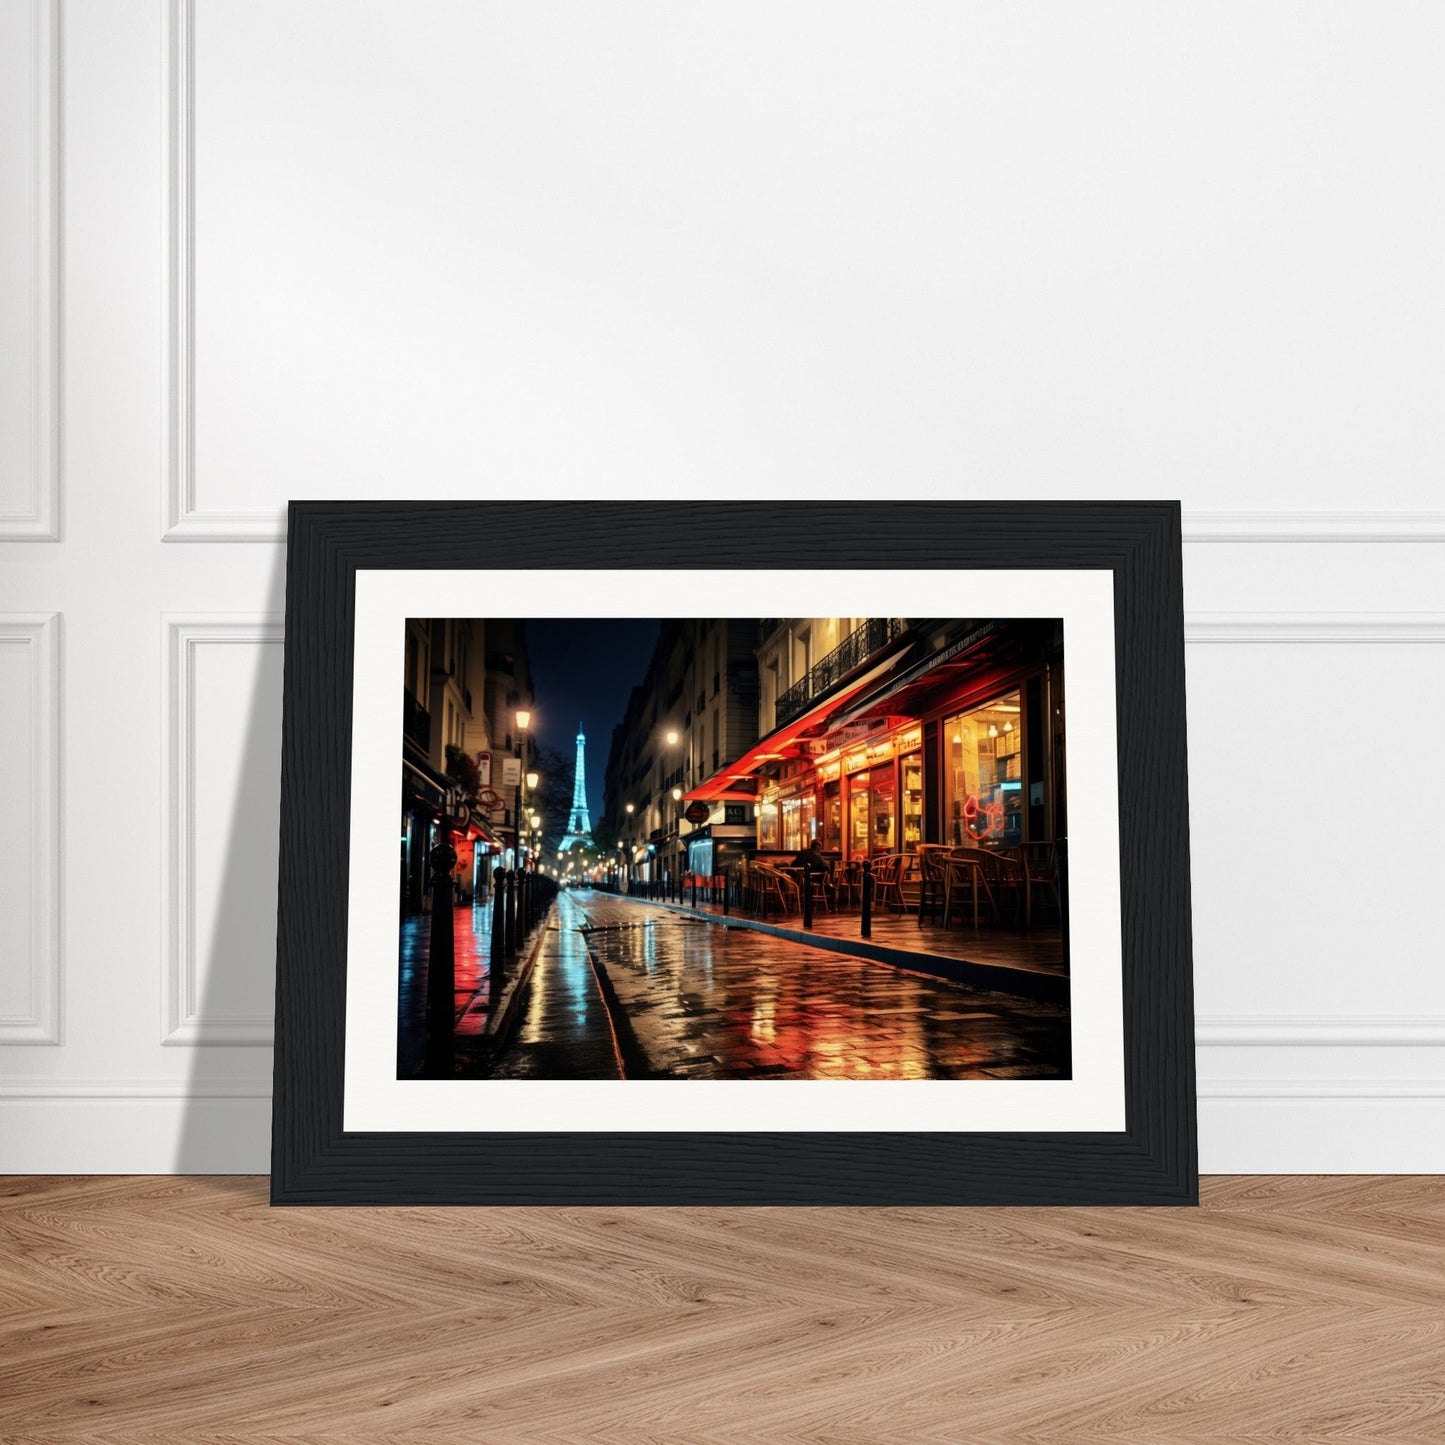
[{"x": 186, "y": 1310}]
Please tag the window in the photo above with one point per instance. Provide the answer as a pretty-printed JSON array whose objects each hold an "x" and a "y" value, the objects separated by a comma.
[
  {"x": 983, "y": 776},
  {"x": 767, "y": 825},
  {"x": 799, "y": 822},
  {"x": 858, "y": 830},
  {"x": 912, "y": 766},
  {"x": 883, "y": 801},
  {"x": 832, "y": 817},
  {"x": 802, "y": 655}
]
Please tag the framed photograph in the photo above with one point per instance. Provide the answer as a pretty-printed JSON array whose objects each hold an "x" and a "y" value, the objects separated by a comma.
[{"x": 734, "y": 853}]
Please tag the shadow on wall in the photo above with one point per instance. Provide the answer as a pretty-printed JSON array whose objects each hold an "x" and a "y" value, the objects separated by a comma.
[{"x": 229, "y": 1011}]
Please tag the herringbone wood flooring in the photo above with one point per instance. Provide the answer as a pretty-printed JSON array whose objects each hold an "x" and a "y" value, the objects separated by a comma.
[{"x": 167, "y": 1309}]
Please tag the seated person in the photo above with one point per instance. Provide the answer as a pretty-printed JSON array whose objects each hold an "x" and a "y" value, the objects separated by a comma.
[{"x": 811, "y": 860}]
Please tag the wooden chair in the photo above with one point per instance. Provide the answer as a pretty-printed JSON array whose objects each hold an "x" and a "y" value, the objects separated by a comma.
[
  {"x": 1040, "y": 864},
  {"x": 999, "y": 879},
  {"x": 931, "y": 883},
  {"x": 887, "y": 880},
  {"x": 774, "y": 884},
  {"x": 848, "y": 882}
]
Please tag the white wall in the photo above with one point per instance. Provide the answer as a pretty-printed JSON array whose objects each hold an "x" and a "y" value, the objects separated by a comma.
[{"x": 258, "y": 250}]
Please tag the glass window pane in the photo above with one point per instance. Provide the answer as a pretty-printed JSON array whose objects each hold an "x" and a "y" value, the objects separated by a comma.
[{"x": 983, "y": 776}]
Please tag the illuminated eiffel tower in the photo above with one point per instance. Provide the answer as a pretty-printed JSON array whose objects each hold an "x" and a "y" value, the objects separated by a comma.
[{"x": 579, "y": 826}]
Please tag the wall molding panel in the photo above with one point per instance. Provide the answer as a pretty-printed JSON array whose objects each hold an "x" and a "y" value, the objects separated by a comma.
[
  {"x": 1344, "y": 1031},
  {"x": 40, "y": 520},
  {"x": 183, "y": 1020},
  {"x": 1301, "y": 526},
  {"x": 81, "y": 1089},
  {"x": 38, "y": 636},
  {"x": 178, "y": 502},
  {"x": 1294, "y": 628}
]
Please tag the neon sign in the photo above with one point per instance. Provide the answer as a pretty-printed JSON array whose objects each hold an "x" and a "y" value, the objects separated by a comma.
[{"x": 990, "y": 813}]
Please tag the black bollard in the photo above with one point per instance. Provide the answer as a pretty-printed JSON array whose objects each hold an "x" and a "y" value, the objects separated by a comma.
[
  {"x": 867, "y": 898},
  {"x": 496, "y": 961},
  {"x": 807, "y": 900},
  {"x": 509, "y": 903},
  {"x": 727, "y": 892},
  {"x": 441, "y": 982},
  {"x": 693, "y": 877}
]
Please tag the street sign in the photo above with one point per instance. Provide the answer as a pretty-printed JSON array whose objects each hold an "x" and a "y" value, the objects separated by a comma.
[
  {"x": 511, "y": 772},
  {"x": 484, "y": 768},
  {"x": 697, "y": 812}
]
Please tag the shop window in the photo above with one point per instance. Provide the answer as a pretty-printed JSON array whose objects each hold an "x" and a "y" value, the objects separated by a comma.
[
  {"x": 983, "y": 781},
  {"x": 799, "y": 822},
  {"x": 832, "y": 817},
  {"x": 912, "y": 802},
  {"x": 792, "y": 821},
  {"x": 883, "y": 801},
  {"x": 768, "y": 826},
  {"x": 859, "y": 832}
]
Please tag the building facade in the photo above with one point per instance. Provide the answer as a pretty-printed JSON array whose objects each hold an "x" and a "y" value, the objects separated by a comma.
[
  {"x": 903, "y": 732},
  {"x": 464, "y": 680},
  {"x": 694, "y": 711}
]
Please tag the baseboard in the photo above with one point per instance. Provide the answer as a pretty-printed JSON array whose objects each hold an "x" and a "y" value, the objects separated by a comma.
[
  {"x": 1256, "y": 1133},
  {"x": 1311, "y": 1134},
  {"x": 151, "y": 1134}
]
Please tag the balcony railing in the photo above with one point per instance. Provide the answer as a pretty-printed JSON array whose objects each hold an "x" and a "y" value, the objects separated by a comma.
[
  {"x": 416, "y": 723},
  {"x": 859, "y": 645}
]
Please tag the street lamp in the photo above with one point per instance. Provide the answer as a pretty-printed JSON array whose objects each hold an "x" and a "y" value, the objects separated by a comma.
[
  {"x": 672, "y": 737},
  {"x": 524, "y": 721}
]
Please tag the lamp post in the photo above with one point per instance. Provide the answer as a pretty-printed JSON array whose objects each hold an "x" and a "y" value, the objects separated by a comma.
[
  {"x": 677, "y": 868},
  {"x": 523, "y": 721}
]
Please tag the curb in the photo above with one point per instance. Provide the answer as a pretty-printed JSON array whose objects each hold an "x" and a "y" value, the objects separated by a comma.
[
  {"x": 1026, "y": 983},
  {"x": 497, "y": 1034},
  {"x": 631, "y": 1056}
]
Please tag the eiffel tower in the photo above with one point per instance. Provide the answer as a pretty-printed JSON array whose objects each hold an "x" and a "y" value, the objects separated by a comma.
[{"x": 579, "y": 826}]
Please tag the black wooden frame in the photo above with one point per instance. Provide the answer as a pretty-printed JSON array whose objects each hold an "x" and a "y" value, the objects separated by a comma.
[{"x": 1152, "y": 1161}]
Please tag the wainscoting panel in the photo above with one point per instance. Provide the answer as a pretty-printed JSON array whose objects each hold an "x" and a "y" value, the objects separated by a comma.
[
  {"x": 29, "y": 271},
  {"x": 30, "y": 750},
  {"x": 221, "y": 811}
]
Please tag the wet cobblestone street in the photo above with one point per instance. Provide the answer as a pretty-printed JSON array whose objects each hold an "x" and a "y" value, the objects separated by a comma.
[{"x": 704, "y": 1001}]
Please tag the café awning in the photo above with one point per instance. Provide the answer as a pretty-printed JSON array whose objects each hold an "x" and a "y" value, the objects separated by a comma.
[
  {"x": 730, "y": 780},
  {"x": 907, "y": 688}
]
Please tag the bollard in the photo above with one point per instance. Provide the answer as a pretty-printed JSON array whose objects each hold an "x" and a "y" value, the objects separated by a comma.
[
  {"x": 867, "y": 898},
  {"x": 441, "y": 965},
  {"x": 807, "y": 900},
  {"x": 509, "y": 903},
  {"x": 727, "y": 889},
  {"x": 693, "y": 877},
  {"x": 496, "y": 960}
]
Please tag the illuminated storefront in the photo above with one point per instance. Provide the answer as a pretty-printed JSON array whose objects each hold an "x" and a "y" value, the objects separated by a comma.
[{"x": 961, "y": 744}]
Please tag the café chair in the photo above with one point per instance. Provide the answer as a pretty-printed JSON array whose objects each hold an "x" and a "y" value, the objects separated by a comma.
[
  {"x": 931, "y": 885},
  {"x": 887, "y": 880}
]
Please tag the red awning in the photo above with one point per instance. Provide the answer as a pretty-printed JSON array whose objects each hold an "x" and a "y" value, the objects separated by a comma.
[
  {"x": 783, "y": 742},
  {"x": 916, "y": 689}
]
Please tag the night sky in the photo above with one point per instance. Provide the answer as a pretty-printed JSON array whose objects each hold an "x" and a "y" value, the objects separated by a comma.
[{"x": 583, "y": 670}]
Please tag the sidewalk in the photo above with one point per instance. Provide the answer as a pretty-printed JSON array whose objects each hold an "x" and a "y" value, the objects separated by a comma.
[
  {"x": 1030, "y": 965},
  {"x": 477, "y": 1005},
  {"x": 564, "y": 1031}
]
